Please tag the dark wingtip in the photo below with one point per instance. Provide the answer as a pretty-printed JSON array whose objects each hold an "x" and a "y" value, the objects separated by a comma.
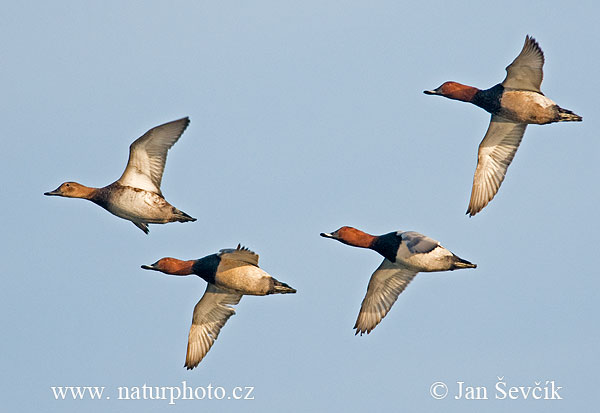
[
  {"x": 358, "y": 330},
  {"x": 187, "y": 122}
]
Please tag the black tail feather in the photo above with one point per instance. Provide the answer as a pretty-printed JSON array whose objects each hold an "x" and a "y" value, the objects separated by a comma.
[
  {"x": 281, "y": 288},
  {"x": 460, "y": 263},
  {"x": 183, "y": 217},
  {"x": 565, "y": 115}
]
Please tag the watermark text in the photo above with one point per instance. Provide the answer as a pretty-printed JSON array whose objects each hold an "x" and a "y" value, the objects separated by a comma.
[
  {"x": 538, "y": 390},
  {"x": 146, "y": 392}
]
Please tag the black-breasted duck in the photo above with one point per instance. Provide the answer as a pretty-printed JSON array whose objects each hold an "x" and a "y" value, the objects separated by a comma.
[
  {"x": 405, "y": 253},
  {"x": 514, "y": 103},
  {"x": 230, "y": 274}
]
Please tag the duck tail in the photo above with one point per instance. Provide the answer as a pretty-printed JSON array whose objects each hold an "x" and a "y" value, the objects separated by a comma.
[
  {"x": 181, "y": 216},
  {"x": 460, "y": 263},
  {"x": 281, "y": 288},
  {"x": 565, "y": 115}
]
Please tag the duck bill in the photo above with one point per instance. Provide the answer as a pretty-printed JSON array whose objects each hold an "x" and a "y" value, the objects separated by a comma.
[
  {"x": 327, "y": 235},
  {"x": 149, "y": 267},
  {"x": 56, "y": 192},
  {"x": 432, "y": 92}
]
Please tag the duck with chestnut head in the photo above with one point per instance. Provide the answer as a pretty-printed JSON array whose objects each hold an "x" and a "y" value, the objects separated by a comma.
[
  {"x": 230, "y": 274},
  {"x": 514, "y": 104},
  {"x": 405, "y": 253}
]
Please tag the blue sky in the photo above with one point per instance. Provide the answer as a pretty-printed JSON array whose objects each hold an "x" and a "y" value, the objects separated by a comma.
[{"x": 304, "y": 117}]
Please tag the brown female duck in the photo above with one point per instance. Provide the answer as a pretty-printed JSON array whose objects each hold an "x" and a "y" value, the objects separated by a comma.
[{"x": 136, "y": 195}]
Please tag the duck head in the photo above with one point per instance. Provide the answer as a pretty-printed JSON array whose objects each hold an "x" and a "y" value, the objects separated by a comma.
[
  {"x": 71, "y": 190},
  {"x": 351, "y": 236},
  {"x": 171, "y": 266},
  {"x": 454, "y": 90}
]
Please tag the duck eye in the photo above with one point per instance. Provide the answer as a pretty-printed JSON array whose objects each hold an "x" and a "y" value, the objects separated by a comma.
[{"x": 67, "y": 185}]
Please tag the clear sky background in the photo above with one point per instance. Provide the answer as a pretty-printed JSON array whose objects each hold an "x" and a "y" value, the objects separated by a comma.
[{"x": 305, "y": 116}]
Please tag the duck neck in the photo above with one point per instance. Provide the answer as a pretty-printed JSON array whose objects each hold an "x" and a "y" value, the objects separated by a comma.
[
  {"x": 463, "y": 93},
  {"x": 357, "y": 238},
  {"x": 98, "y": 196},
  {"x": 87, "y": 192},
  {"x": 179, "y": 267}
]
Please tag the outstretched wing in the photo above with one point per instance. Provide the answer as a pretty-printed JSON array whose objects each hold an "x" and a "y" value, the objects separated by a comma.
[
  {"x": 148, "y": 154},
  {"x": 496, "y": 152},
  {"x": 525, "y": 72},
  {"x": 231, "y": 258},
  {"x": 387, "y": 282},
  {"x": 210, "y": 315}
]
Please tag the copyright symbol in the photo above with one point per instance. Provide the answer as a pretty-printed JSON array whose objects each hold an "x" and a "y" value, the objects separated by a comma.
[{"x": 438, "y": 390}]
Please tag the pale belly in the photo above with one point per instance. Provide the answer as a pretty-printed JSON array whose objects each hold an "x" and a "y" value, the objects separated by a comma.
[
  {"x": 247, "y": 279},
  {"x": 528, "y": 107},
  {"x": 139, "y": 206},
  {"x": 439, "y": 259}
]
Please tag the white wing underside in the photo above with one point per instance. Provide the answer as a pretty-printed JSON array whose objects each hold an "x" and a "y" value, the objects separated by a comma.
[
  {"x": 148, "y": 154},
  {"x": 496, "y": 152},
  {"x": 387, "y": 282},
  {"x": 210, "y": 315}
]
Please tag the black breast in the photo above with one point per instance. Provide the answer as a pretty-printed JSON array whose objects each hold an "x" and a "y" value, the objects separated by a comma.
[
  {"x": 489, "y": 99},
  {"x": 387, "y": 245},
  {"x": 207, "y": 267}
]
